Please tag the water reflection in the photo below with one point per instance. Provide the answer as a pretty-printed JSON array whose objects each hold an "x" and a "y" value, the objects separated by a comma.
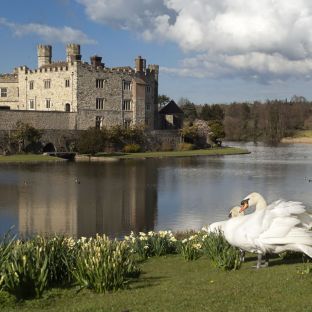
[{"x": 109, "y": 198}]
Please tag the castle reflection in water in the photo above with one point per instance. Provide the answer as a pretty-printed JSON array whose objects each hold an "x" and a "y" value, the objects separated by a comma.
[{"x": 85, "y": 199}]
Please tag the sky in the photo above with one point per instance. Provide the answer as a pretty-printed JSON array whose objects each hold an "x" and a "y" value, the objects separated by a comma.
[{"x": 209, "y": 51}]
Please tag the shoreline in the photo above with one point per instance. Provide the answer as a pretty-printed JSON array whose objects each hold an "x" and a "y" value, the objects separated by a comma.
[
  {"x": 223, "y": 151},
  {"x": 299, "y": 140},
  {"x": 29, "y": 159},
  {"x": 33, "y": 158}
]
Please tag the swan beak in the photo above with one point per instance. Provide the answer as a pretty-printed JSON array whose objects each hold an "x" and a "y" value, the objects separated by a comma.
[{"x": 244, "y": 205}]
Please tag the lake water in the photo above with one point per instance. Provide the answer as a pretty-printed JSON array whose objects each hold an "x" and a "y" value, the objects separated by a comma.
[{"x": 141, "y": 195}]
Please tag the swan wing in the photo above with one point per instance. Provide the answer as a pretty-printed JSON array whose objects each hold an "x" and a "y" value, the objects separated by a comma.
[
  {"x": 216, "y": 226},
  {"x": 283, "y": 208}
]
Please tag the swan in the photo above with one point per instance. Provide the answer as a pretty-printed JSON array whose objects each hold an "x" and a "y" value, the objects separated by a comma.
[
  {"x": 218, "y": 226},
  {"x": 281, "y": 226}
]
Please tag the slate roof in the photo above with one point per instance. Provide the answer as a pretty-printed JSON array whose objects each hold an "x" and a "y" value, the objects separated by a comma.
[{"x": 171, "y": 108}]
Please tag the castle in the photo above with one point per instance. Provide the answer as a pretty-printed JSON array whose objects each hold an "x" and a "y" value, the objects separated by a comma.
[{"x": 75, "y": 95}]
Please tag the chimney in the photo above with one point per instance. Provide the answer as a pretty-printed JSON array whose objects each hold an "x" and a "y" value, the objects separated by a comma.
[
  {"x": 96, "y": 61},
  {"x": 140, "y": 65}
]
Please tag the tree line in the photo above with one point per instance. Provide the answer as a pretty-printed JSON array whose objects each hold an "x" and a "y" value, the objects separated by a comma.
[{"x": 267, "y": 121}]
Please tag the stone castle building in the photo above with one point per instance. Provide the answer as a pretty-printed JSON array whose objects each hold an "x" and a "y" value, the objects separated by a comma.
[{"x": 75, "y": 95}]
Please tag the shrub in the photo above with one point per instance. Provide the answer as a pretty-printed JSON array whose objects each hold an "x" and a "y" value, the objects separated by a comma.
[
  {"x": 166, "y": 146},
  {"x": 132, "y": 148},
  {"x": 91, "y": 141},
  {"x": 220, "y": 252},
  {"x": 185, "y": 147}
]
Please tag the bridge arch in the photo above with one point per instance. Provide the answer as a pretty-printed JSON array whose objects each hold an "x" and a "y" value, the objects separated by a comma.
[{"x": 49, "y": 147}]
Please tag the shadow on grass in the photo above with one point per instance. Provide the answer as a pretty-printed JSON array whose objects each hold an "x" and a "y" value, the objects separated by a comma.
[
  {"x": 277, "y": 260},
  {"x": 144, "y": 282}
]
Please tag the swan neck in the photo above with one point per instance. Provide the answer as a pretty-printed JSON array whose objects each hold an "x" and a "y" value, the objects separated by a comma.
[{"x": 261, "y": 204}]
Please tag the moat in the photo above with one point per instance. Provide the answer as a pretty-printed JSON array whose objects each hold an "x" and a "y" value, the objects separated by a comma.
[{"x": 82, "y": 199}]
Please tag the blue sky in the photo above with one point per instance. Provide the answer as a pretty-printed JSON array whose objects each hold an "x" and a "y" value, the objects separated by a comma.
[{"x": 209, "y": 51}]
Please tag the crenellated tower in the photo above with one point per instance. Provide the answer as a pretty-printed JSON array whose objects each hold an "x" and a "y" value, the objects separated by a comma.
[
  {"x": 154, "y": 69},
  {"x": 73, "y": 52},
  {"x": 44, "y": 53}
]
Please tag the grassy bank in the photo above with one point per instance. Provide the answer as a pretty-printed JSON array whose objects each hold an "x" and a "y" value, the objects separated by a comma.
[
  {"x": 300, "y": 136},
  {"x": 29, "y": 158},
  {"x": 202, "y": 152},
  {"x": 172, "y": 284}
]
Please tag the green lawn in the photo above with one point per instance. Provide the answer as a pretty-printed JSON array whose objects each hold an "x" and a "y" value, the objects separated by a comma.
[
  {"x": 172, "y": 284},
  {"x": 201, "y": 152},
  {"x": 27, "y": 158}
]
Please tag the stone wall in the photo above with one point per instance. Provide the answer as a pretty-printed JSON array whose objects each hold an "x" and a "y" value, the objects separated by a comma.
[
  {"x": 163, "y": 139},
  {"x": 39, "y": 120}
]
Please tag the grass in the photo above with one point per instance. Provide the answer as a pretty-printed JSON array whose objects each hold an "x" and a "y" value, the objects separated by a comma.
[
  {"x": 173, "y": 284},
  {"x": 202, "y": 152},
  {"x": 303, "y": 134},
  {"x": 28, "y": 158}
]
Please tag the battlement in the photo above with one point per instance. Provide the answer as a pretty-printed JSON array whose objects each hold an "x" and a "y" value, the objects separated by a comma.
[{"x": 8, "y": 78}]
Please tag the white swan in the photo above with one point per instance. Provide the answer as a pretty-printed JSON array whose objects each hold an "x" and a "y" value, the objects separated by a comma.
[
  {"x": 279, "y": 227},
  {"x": 218, "y": 226}
]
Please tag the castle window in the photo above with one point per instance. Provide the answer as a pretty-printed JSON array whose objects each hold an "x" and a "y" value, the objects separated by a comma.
[
  {"x": 48, "y": 103},
  {"x": 4, "y": 92},
  {"x": 126, "y": 85},
  {"x": 127, "y": 123},
  {"x": 31, "y": 85},
  {"x": 98, "y": 122},
  {"x": 31, "y": 104},
  {"x": 47, "y": 83},
  {"x": 148, "y": 107},
  {"x": 99, "y": 83},
  {"x": 148, "y": 89},
  {"x": 67, "y": 84},
  {"x": 67, "y": 107},
  {"x": 99, "y": 103},
  {"x": 126, "y": 105}
]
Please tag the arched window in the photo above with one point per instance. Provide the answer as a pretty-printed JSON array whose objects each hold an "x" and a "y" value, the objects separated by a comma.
[{"x": 67, "y": 107}]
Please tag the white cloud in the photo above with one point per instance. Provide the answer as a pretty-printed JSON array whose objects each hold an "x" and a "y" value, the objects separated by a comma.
[
  {"x": 50, "y": 34},
  {"x": 250, "y": 38}
]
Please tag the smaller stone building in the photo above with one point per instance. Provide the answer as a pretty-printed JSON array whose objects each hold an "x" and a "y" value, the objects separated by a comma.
[{"x": 171, "y": 116}]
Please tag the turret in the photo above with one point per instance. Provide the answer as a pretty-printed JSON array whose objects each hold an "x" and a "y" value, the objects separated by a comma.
[
  {"x": 73, "y": 52},
  {"x": 154, "y": 69},
  {"x": 44, "y": 53}
]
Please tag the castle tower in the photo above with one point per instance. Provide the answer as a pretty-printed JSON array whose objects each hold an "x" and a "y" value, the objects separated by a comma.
[
  {"x": 73, "y": 52},
  {"x": 155, "y": 70},
  {"x": 44, "y": 53}
]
